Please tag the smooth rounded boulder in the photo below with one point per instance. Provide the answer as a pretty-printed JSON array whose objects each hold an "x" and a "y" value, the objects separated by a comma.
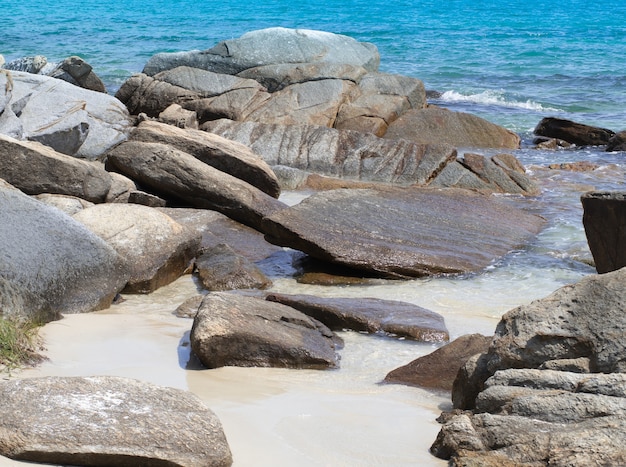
[
  {"x": 106, "y": 420},
  {"x": 51, "y": 264}
]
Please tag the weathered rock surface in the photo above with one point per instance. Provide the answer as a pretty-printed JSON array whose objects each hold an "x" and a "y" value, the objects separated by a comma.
[
  {"x": 234, "y": 330},
  {"x": 70, "y": 205},
  {"x": 604, "y": 219},
  {"x": 77, "y": 121},
  {"x": 339, "y": 153},
  {"x": 617, "y": 142},
  {"x": 105, "y": 420},
  {"x": 438, "y": 125},
  {"x": 174, "y": 173},
  {"x": 78, "y": 72},
  {"x": 370, "y": 315},
  {"x": 403, "y": 232},
  {"x": 551, "y": 389},
  {"x": 438, "y": 369},
  {"x": 35, "y": 169},
  {"x": 271, "y": 46},
  {"x": 573, "y": 132},
  {"x": 228, "y": 156},
  {"x": 220, "y": 268},
  {"x": 156, "y": 248},
  {"x": 50, "y": 263}
]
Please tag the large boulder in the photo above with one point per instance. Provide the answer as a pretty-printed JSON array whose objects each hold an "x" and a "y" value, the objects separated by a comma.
[
  {"x": 78, "y": 72},
  {"x": 76, "y": 121},
  {"x": 438, "y": 125},
  {"x": 271, "y": 46},
  {"x": 156, "y": 248},
  {"x": 226, "y": 155},
  {"x": 35, "y": 168},
  {"x": 50, "y": 263},
  {"x": 339, "y": 153},
  {"x": 234, "y": 330},
  {"x": 555, "y": 372},
  {"x": 604, "y": 219},
  {"x": 573, "y": 132},
  {"x": 369, "y": 315},
  {"x": 177, "y": 174},
  {"x": 106, "y": 420},
  {"x": 403, "y": 232}
]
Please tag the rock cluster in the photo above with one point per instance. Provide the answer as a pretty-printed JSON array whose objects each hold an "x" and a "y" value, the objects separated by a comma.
[{"x": 551, "y": 389}]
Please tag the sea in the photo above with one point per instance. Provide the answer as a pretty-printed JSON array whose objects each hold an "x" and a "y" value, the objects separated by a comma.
[{"x": 511, "y": 62}]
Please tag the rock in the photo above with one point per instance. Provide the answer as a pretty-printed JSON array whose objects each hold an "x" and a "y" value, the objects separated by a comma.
[
  {"x": 27, "y": 64},
  {"x": 216, "y": 228},
  {"x": 278, "y": 76},
  {"x": 310, "y": 103},
  {"x": 177, "y": 174},
  {"x": 176, "y": 116},
  {"x": 106, "y": 420},
  {"x": 271, "y": 46},
  {"x": 604, "y": 219},
  {"x": 70, "y": 112},
  {"x": 438, "y": 369},
  {"x": 232, "y": 330},
  {"x": 617, "y": 142},
  {"x": 70, "y": 205},
  {"x": 580, "y": 166},
  {"x": 35, "y": 169},
  {"x": 438, "y": 125},
  {"x": 339, "y": 153},
  {"x": 225, "y": 155},
  {"x": 157, "y": 249},
  {"x": 51, "y": 264},
  {"x": 220, "y": 268},
  {"x": 572, "y": 132},
  {"x": 121, "y": 188},
  {"x": 144, "y": 94},
  {"x": 78, "y": 72},
  {"x": 404, "y": 232},
  {"x": 189, "y": 308},
  {"x": 369, "y": 315}
]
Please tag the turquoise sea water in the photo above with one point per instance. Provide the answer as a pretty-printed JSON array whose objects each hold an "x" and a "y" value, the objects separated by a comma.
[{"x": 510, "y": 61}]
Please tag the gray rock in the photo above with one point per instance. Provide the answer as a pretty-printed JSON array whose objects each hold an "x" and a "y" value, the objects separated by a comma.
[
  {"x": 35, "y": 168},
  {"x": 106, "y": 119},
  {"x": 437, "y": 125},
  {"x": 617, "y": 142},
  {"x": 339, "y": 153},
  {"x": 404, "y": 232},
  {"x": 51, "y": 264},
  {"x": 27, "y": 64},
  {"x": 234, "y": 330},
  {"x": 370, "y": 315},
  {"x": 78, "y": 72},
  {"x": 278, "y": 76},
  {"x": 105, "y": 420},
  {"x": 178, "y": 174},
  {"x": 310, "y": 103},
  {"x": 157, "y": 249},
  {"x": 225, "y": 155},
  {"x": 271, "y": 46},
  {"x": 604, "y": 215},
  {"x": 220, "y": 268},
  {"x": 70, "y": 205},
  {"x": 121, "y": 188},
  {"x": 438, "y": 369}
]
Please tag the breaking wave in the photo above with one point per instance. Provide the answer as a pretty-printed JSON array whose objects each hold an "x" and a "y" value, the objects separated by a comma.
[{"x": 496, "y": 98}]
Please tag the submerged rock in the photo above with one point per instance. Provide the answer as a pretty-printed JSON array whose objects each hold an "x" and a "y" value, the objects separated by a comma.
[
  {"x": 573, "y": 132},
  {"x": 406, "y": 232},
  {"x": 106, "y": 420},
  {"x": 234, "y": 330}
]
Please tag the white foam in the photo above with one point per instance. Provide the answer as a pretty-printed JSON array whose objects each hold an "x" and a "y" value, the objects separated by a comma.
[{"x": 491, "y": 97}]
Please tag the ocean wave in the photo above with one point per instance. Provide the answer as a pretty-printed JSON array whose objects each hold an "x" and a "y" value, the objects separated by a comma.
[{"x": 496, "y": 98}]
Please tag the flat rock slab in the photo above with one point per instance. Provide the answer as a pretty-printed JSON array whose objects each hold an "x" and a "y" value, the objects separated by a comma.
[
  {"x": 107, "y": 420},
  {"x": 370, "y": 315},
  {"x": 237, "y": 330},
  {"x": 395, "y": 232}
]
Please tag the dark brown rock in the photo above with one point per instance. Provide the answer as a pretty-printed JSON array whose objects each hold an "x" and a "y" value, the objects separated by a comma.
[
  {"x": 604, "y": 219},
  {"x": 405, "y": 232},
  {"x": 77, "y": 71},
  {"x": 617, "y": 142},
  {"x": 572, "y": 132},
  {"x": 235, "y": 330},
  {"x": 438, "y": 369},
  {"x": 370, "y": 315}
]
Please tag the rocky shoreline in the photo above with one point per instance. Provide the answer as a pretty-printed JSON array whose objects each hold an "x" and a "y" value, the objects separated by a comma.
[{"x": 181, "y": 172}]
